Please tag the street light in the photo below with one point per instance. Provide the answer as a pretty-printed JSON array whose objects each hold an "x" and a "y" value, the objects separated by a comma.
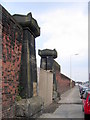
[{"x": 71, "y": 69}]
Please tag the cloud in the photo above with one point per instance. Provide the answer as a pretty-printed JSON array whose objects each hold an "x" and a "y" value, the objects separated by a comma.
[
  {"x": 64, "y": 26},
  {"x": 66, "y": 30},
  {"x": 45, "y": 0}
]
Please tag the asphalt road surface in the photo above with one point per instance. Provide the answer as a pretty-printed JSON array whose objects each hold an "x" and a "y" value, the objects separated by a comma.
[{"x": 70, "y": 106}]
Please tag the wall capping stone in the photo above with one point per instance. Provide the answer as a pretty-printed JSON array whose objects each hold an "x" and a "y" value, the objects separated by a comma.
[{"x": 28, "y": 21}]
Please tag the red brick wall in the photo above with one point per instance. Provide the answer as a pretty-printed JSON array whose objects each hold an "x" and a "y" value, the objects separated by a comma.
[
  {"x": 11, "y": 59},
  {"x": 0, "y": 63},
  {"x": 73, "y": 83},
  {"x": 63, "y": 82},
  {"x": 0, "y": 87}
]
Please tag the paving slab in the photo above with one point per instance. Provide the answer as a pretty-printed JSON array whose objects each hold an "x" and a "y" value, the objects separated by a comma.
[
  {"x": 69, "y": 111},
  {"x": 71, "y": 96},
  {"x": 70, "y": 106}
]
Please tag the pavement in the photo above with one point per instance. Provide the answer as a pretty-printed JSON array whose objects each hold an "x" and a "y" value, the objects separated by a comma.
[
  {"x": 71, "y": 96},
  {"x": 69, "y": 111},
  {"x": 70, "y": 106}
]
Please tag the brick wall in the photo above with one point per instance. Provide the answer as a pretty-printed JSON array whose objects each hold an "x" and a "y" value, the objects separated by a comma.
[
  {"x": 73, "y": 83},
  {"x": 0, "y": 63},
  {"x": 63, "y": 82},
  {"x": 11, "y": 58}
]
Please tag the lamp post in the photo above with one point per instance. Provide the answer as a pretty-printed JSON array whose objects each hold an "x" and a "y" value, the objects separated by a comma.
[{"x": 71, "y": 69}]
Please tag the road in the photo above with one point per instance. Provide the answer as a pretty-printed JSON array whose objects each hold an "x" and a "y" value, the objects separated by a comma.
[{"x": 70, "y": 106}]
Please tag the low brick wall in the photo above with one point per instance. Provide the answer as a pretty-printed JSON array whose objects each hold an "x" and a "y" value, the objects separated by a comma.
[
  {"x": 73, "y": 83},
  {"x": 63, "y": 82}
]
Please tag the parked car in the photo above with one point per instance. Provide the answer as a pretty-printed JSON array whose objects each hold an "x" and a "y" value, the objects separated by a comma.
[
  {"x": 86, "y": 102},
  {"x": 82, "y": 91},
  {"x": 80, "y": 88}
]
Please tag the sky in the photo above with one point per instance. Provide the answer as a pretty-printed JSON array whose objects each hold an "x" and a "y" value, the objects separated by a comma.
[{"x": 64, "y": 27}]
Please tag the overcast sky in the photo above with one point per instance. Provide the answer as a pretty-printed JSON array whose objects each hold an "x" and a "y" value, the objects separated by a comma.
[{"x": 64, "y": 26}]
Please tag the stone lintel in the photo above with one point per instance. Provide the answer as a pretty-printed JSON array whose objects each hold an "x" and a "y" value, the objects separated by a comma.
[
  {"x": 47, "y": 53},
  {"x": 28, "y": 21}
]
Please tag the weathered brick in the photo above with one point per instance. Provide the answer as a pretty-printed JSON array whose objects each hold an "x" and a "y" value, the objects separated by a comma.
[
  {"x": 11, "y": 58},
  {"x": 63, "y": 82}
]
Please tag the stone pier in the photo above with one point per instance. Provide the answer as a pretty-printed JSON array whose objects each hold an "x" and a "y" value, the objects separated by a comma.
[
  {"x": 31, "y": 102},
  {"x": 47, "y": 81},
  {"x": 28, "y": 75}
]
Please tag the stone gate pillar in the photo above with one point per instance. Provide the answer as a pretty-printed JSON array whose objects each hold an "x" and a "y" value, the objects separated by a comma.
[{"x": 28, "y": 75}]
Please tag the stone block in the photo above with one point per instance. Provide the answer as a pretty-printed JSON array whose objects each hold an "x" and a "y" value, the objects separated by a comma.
[
  {"x": 28, "y": 107},
  {"x": 46, "y": 86}
]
